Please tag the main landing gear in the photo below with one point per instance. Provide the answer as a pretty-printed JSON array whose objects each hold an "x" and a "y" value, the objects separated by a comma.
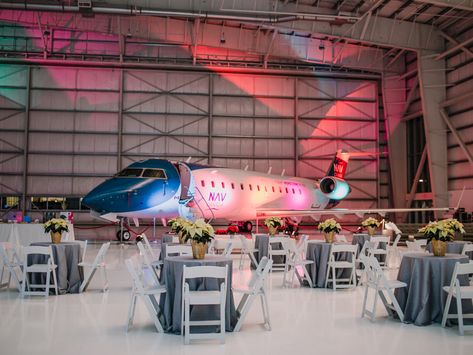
[{"x": 245, "y": 226}]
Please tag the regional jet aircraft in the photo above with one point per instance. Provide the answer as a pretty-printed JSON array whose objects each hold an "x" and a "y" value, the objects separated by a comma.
[{"x": 158, "y": 188}]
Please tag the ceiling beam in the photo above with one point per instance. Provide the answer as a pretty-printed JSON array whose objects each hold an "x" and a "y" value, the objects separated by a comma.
[{"x": 456, "y": 4}]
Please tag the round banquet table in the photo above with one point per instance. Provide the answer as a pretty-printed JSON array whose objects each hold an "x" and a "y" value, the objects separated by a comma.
[
  {"x": 169, "y": 238},
  {"x": 319, "y": 252},
  {"x": 423, "y": 300},
  {"x": 67, "y": 256},
  {"x": 171, "y": 301},
  {"x": 262, "y": 245},
  {"x": 455, "y": 247}
]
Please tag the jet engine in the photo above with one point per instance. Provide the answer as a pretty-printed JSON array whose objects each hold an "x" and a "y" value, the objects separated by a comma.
[{"x": 334, "y": 188}]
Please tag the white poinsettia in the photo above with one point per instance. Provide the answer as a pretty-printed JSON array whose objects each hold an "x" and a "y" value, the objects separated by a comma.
[
  {"x": 198, "y": 231},
  {"x": 371, "y": 222},
  {"x": 443, "y": 230},
  {"x": 329, "y": 225},
  {"x": 56, "y": 225},
  {"x": 274, "y": 222}
]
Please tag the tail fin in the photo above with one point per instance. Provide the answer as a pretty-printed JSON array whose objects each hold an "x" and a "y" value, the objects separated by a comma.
[{"x": 339, "y": 164}]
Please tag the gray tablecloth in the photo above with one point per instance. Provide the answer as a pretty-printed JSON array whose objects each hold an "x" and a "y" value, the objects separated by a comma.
[
  {"x": 67, "y": 256},
  {"x": 319, "y": 252},
  {"x": 360, "y": 239},
  {"x": 262, "y": 245},
  {"x": 171, "y": 301},
  {"x": 455, "y": 247},
  {"x": 423, "y": 300}
]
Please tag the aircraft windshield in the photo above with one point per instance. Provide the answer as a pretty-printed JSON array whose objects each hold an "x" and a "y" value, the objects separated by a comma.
[
  {"x": 154, "y": 173},
  {"x": 130, "y": 173}
]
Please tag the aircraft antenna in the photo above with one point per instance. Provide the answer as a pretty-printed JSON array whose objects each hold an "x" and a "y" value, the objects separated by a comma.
[
  {"x": 283, "y": 172},
  {"x": 269, "y": 170},
  {"x": 246, "y": 167},
  {"x": 188, "y": 160}
]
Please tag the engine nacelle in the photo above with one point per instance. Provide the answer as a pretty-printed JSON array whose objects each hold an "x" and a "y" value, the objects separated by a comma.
[{"x": 334, "y": 188}]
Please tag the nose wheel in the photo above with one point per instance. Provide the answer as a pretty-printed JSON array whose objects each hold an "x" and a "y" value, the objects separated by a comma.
[{"x": 123, "y": 235}]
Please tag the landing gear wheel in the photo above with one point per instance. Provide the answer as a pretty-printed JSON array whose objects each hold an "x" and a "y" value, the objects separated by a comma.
[
  {"x": 124, "y": 236},
  {"x": 248, "y": 226}
]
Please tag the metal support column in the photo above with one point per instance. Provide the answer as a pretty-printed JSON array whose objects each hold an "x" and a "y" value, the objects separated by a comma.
[
  {"x": 210, "y": 119},
  {"x": 296, "y": 134},
  {"x": 120, "y": 120},
  {"x": 433, "y": 93},
  {"x": 460, "y": 141},
  {"x": 26, "y": 138}
]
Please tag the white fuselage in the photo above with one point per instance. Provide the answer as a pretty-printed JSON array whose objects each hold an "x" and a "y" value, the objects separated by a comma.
[{"x": 237, "y": 194}]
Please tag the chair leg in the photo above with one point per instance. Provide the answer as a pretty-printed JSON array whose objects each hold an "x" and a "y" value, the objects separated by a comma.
[
  {"x": 243, "y": 308},
  {"x": 23, "y": 284},
  {"x": 105, "y": 279},
  {"x": 327, "y": 276},
  {"x": 264, "y": 303},
  {"x": 334, "y": 281},
  {"x": 241, "y": 259},
  {"x": 55, "y": 281},
  {"x": 446, "y": 310},
  {"x": 286, "y": 270},
  {"x": 131, "y": 310},
  {"x": 48, "y": 280},
  {"x": 460, "y": 315},
  {"x": 307, "y": 276},
  {"x": 373, "y": 312},
  {"x": 363, "y": 311},
  {"x": 222, "y": 319},
  {"x": 187, "y": 321}
]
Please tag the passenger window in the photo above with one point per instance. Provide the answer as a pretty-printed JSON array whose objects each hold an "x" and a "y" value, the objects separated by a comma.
[
  {"x": 154, "y": 173},
  {"x": 265, "y": 188},
  {"x": 212, "y": 183},
  {"x": 273, "y": 188},
  {"x": 251, "y": 187},
  {"x": 293, "y": 191},
  {"x": 233, "y": 186},
  {"x": 242, "y": 187},
  {"x": 257, "y": 187},
  {"x": 223, "y": 185},
  {"x": 300, "y": 192},
  {"x": 287, "y": 190},
  {"x": 202, "y": 182},
  {"x": 280, "y": 190}
]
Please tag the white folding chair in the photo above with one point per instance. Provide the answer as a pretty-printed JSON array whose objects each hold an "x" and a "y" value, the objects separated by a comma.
[
  {"x": 190, "y": 298},
  {"x": 147, "y": 263},
  {"x": 149, "y": 294},
  {"x": 11, "y": 264},
  {"x": 377, "y": 281},
  {"x": 340, "y": 238},
  {"x": 277, "y": 246},
  {"x": 460, "y": 293},
  {"x": 378, "y": 250},
  {"x": 333, "y": 265},
  {"x": 83, "y": 247},
  {"x": 153, "y": 253},
  {"x": 413, "y": 247},
  {"x": 181, "y": 249},
  {"x": 97, "y": 264},
  {"x": 362, "y": 261},
  {"x": 393, "y": 252},
  {"x": 228, "y": 249},
  {"x": 421, "y": 243},
  {"x": 247, "y": 248},
  {"x": 211, "y": 249},
  {"x": 47, "y": 268},
  {"x": 467, "y": 249},
  {"x": 295, "y": 260},
  {"x": 256, "y": 287}
]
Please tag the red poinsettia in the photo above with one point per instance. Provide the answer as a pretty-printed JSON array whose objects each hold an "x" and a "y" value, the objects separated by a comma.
[
  {"x": 232, "y": 229},
  {"x": 221, "y": 231}
]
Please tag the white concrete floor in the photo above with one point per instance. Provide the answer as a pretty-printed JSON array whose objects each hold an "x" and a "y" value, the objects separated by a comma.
[{"x": 304, "y": 321}]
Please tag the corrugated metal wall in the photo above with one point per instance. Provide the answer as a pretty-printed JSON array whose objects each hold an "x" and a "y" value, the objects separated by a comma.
[{"x": 79, "y": 125}]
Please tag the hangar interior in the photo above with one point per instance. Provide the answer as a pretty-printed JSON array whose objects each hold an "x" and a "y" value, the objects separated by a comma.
[
  {"x": 85, "y": 91},
  {"x": 89, "y": 87}
]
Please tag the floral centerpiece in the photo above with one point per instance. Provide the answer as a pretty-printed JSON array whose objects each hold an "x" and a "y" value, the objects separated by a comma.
[
  {"x": 371, "y": 224},
  {"x": 232, "y": 230},
  {"x": 329, "y": 227},
  {"x": 438, "y": 233},
  {"x": 273, "y": 224},
  {"x": 200, "y": 234},
  {"x": 55, "y": 227},
  {"x": 177, "y": 226}
]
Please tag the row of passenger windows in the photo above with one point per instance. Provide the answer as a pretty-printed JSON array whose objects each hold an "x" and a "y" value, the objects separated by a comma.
[{"x": 258, "y": 187}]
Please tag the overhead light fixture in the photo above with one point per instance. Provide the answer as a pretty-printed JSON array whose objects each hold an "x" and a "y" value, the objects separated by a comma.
[
  {"x": 222, "y": 38},
  {"x": 85, "y": 8},
  {"x": 421, "y": 180},
  {"x": 321, "y": 45}
]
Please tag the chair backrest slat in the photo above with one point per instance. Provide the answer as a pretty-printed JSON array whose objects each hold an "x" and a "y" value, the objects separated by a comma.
[
  {"x": 182, "y": 249},
  {"x": 193, "y": 272},
  {"x": 467, "y": 248}
]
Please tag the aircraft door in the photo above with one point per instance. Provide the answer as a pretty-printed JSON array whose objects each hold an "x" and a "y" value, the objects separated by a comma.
[{"x": 187, "y": 182}]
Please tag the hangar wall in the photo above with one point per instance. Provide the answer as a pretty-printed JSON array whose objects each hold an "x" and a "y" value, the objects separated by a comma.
[{"x": 66, "y": 129}]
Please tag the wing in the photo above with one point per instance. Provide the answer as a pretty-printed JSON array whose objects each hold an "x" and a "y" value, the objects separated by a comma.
[{"x": 267, "y": 212}]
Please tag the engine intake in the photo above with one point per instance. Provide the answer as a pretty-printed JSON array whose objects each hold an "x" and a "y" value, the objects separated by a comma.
[{"x": 334, "y": 188}]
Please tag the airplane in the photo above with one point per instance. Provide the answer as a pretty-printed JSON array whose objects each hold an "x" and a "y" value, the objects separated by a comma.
[{"x": 159, "y": 188}]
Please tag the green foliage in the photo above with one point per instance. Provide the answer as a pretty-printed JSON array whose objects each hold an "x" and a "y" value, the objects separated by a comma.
[
  {"x": 56, "y": 225},
  {"x": 329, "y": 225}
]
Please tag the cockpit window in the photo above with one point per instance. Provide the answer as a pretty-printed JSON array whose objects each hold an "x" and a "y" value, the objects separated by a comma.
[
  {"x": 130, "y": 172},
  {"x": 155, "y": 173}
]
